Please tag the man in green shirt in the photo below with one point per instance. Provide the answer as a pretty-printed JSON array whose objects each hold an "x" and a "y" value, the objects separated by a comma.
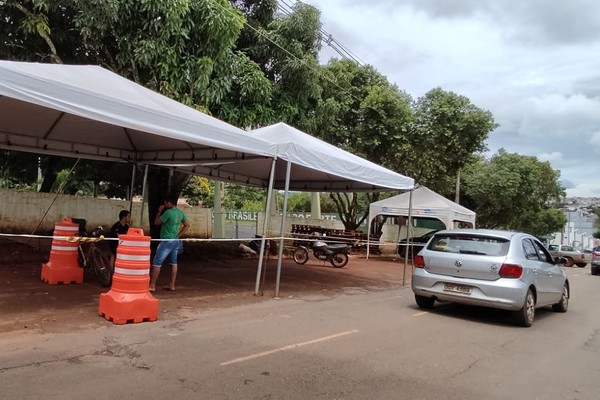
[{"x": 173, "y": 224}]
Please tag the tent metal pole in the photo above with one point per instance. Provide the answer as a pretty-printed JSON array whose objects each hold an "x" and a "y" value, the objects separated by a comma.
[
  {"x": 284, "y": 212},
  {"x": 408, "y": 226},
  {"x": 369, "y": 233},
  {"x": 145, "y": 182},
  {"x": 133, "y": 170},
  {"x": 264, "y": 230}
]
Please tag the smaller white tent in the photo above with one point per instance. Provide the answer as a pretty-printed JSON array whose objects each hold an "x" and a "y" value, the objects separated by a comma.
[{"x": 425, "y": 203}]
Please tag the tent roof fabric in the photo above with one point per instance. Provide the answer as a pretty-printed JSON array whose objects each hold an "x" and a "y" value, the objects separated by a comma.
[
  {"x": 89, "y": 112},
  {"x": 425, "y": 203},
  {"x": 332, "y": 169}
]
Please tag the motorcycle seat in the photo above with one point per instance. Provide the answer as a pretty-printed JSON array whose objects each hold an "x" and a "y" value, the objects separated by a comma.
[{"x": 337, "y": 246}]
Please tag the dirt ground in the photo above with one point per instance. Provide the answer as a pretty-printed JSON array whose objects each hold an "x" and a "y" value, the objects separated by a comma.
[{"x": 211, "y": 276}]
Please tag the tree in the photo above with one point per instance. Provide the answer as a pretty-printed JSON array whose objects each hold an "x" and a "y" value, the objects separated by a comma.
[
  {"x": 199, "y": 191},
  {"x": 299, "y": 202},
  {"x": 240, "y": 197},
  {"x": 446, "y": 132},
  {"x": 18, "y": 169},
  {"x": 361, "y": 112},
  {"x": 183, "y": 49},
  {"x": 351, "y": 208},
  {"x": 286, "y": 48},
  {"x": 514, "y": 192},
  {"x": 38, "y": 30}
]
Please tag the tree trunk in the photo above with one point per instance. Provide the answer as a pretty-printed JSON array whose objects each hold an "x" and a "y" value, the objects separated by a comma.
[
  {"x": 347, "y": 206},
  {"x": 50, "y": 173},
  {"x": 162, "y": 182}
]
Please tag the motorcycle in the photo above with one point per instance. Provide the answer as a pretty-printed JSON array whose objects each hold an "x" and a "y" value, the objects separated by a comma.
[{"x": 336, "y": 254}]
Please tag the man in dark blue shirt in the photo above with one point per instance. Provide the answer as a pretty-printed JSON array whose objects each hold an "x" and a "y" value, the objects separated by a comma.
[{"x": 119, "y": 228}]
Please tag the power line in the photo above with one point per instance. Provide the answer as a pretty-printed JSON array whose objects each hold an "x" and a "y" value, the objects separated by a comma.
[
  {"x": 325, "y": 37},
  {"x": 317, "y": 71}
]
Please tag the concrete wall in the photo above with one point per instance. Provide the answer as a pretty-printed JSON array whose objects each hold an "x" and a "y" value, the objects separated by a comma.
[
  {"x": 21, "y": 211},
  {"x": 275, "y": 224}
]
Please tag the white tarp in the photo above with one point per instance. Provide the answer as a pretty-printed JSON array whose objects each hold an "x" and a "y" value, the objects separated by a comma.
[
  {"x": 425, "y": 203},
  {"x": 320, "y": 166},
  {"x": 89, "y": 112}
]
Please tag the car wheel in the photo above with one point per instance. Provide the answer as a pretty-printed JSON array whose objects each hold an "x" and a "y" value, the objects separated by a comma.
[
  {"x": 424, "y": 302},
  {"x": 569, "y": 262},
  {"x": 594, "y": 271},
  {"x": 563, "y": 304},
  {"x": 581, "y": 265},
  {"x": 526, "y": 315}
]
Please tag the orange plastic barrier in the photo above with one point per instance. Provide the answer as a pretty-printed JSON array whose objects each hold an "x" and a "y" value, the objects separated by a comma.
[
  {"x": 62, "y": 267},
  {"x": 129, "y": 299}
]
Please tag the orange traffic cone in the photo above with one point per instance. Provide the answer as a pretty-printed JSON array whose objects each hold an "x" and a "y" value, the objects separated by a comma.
[
  {"x": 62, "y": 267},
  {"x": 129, "y": 299}
]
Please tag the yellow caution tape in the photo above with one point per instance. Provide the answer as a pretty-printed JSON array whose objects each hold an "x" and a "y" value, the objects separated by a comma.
[{"x": 73, "y": 239}]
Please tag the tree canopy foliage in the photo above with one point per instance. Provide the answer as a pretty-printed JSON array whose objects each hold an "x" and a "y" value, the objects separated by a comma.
[{"x": 515, "y": 192}]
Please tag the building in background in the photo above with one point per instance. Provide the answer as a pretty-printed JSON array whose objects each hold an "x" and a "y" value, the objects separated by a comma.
[{"x": 579, "y": 229}]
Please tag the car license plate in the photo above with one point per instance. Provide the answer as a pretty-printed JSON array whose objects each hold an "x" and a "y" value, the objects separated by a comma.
[{"x": 454, "y": 288}]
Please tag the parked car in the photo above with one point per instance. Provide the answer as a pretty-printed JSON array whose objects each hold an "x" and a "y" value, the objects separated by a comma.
[
  {"x": 498, "y": 269},
  {"x": 571, "y": 255},
  {"x": 595, "y": 261},
  {"x": 415, "y": 244}
]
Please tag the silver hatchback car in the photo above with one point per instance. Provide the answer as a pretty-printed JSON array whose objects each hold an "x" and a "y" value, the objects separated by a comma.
[{"x": 490, "y": 268}]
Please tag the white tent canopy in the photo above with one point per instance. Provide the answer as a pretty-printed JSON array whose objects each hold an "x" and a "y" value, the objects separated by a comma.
[
  {"x": 425, "y": 203},
  {"x": 322, "y": 167},
  {"x": 89, "y": 112}
]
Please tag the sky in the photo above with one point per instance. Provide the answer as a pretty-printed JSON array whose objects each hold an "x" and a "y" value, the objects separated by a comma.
[{"x": 535, "y": 64}]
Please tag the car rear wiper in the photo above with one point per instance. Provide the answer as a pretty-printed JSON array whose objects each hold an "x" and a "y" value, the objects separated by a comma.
[{"x": 472, "y": 252}]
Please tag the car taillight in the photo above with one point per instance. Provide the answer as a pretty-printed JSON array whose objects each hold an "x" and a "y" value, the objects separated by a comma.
[
  {"x": 594, "y": 255},
  {"x": 419, "y": 262},
  {"x": 510, "y": 271}
]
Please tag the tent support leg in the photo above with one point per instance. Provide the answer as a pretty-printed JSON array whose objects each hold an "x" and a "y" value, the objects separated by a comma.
[
  {"x": 264, "y": 230},
  {"x": 131, "y": 188},
  {"x": 144, "y": 183},
  {"x": 280, "y": 253},
  {"x": 408, "y": 228}
]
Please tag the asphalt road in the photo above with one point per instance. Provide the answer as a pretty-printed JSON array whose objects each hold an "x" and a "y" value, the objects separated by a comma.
[{"x": 360, "y": 345}]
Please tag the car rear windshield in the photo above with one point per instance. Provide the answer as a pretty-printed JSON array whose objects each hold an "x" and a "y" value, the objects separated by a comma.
[{"x": 469, "y": 244}]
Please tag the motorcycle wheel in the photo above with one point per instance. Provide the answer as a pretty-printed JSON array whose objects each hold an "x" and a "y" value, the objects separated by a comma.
[
  {"x": 339, "y": 260},
  {"x": 300, "y": 255}
]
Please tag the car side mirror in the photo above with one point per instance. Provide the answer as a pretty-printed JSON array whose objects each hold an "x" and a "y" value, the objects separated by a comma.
[{"x": 560, "y": 261}]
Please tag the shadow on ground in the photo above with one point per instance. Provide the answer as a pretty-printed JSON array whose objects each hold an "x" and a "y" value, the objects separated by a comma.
[{"x": 211, "y": 276}]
